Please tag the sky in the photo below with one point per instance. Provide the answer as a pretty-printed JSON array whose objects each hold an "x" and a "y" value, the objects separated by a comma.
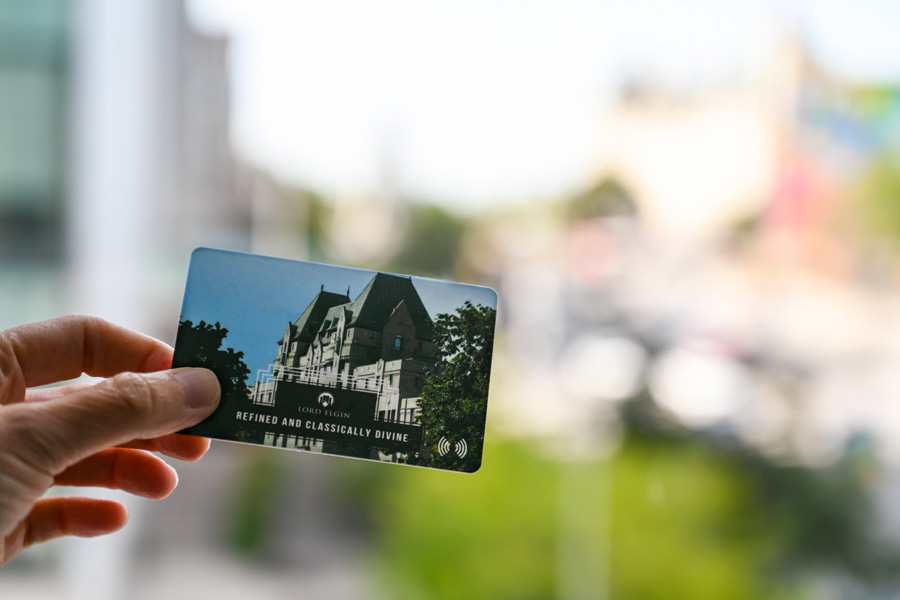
[
  {"x": 474, "y": 103},
  {"x": 255, "y": 297}
]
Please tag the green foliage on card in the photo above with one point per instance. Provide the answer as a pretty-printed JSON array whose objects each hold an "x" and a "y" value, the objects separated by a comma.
[
  {"x": 454, "y": 399},
  {"x": 200, "y": 345}
]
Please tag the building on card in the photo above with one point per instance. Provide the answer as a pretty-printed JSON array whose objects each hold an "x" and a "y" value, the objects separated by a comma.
[{"x": 381, "y": 342}]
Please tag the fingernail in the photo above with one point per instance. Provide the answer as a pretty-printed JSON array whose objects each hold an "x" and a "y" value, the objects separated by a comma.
[{"x": 202, "y": 386}]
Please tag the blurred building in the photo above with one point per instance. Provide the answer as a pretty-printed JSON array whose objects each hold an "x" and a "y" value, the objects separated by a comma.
[
  {"x": 783, "y": 144},
  {"x": 34, "y": 84},
  {"x": 154, "y": 174},
  {"x": 168, "y": 91},
  {"x": 115, "y": 153},
  {"x": 201, "y": 195},
  {"x": 34, "y": 73}
]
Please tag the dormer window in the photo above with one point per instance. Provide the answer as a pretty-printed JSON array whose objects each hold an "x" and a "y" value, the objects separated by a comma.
[{"x": 398, "y": 342}]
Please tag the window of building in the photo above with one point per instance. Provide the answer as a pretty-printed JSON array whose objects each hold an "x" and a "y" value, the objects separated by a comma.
[
  {"x": 294, "y": 347},
  {"x": 398, "y": 342}
]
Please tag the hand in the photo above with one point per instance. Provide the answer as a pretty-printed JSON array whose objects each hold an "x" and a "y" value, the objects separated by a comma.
[{"x": 94, "y": 435}]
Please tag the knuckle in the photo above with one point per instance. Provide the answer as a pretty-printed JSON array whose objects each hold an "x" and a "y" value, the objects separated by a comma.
[
  {"x": 90, "y": 325},
  {"x": 82, "y": 320},
  {"x": 29, "y": 450},
  {"x": 12, "y": 384},
  {"x": 137, "y": 397},
  {"x": 15, "y": 426}
]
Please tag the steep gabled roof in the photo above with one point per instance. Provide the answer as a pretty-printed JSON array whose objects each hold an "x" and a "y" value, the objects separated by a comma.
[
  {"x": 333, "y": 316},
  {"x": 311, "y": 319},
  {"x": 290, "y": 332},
  {"x": 381, "y": 296}
]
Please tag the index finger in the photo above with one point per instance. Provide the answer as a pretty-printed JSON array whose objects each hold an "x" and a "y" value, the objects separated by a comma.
[{"x": 64, "y": 348}]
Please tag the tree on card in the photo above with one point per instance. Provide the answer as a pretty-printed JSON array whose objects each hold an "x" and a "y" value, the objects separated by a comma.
[
  {"x": 201, "y": 346},
  {"x": 454, "y": 399}
]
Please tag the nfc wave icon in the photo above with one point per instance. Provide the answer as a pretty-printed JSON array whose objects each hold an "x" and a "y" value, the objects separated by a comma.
[{"x": 460, "y": 448}]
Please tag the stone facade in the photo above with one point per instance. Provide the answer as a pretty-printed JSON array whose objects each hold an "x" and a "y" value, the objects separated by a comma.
[{"x": 380, "y": 342}]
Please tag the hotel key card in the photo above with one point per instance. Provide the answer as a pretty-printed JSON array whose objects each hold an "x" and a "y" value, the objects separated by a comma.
[{"x": 340, "y": 361}]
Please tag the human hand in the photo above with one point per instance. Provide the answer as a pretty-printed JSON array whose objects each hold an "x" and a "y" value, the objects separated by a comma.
[{"x": 95, "y": 435}]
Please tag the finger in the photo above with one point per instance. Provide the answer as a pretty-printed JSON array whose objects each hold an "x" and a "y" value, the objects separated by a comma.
[
  {"x": 65, "y": 348},
  {"x": 51, "y": 393},
  {"x": 134, "y": 471},
  {"x": 83, "y": 517},
  {"x": 183, "y": 447},
  {"x": 47, "y": 437}
]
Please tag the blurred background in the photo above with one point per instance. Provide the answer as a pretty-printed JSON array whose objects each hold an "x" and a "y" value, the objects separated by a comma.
[{"x": 691, "y": 212}]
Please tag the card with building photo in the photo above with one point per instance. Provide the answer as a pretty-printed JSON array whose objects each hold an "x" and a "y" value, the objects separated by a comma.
[{"x": 341, "y": 361}]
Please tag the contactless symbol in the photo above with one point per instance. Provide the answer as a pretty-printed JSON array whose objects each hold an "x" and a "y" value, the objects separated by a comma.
[
  {"x": 460, "y": 448},
  {"x": 326, "y": 399}
]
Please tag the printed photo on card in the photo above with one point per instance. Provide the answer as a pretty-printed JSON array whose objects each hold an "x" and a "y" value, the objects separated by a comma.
[{"x": 340, "y": 361}]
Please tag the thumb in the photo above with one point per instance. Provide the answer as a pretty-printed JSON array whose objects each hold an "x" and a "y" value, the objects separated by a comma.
[{"x": 50, "y": 436}]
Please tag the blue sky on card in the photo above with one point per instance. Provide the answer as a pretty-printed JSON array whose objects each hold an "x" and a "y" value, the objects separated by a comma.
[{"x": 255, "y": 297}]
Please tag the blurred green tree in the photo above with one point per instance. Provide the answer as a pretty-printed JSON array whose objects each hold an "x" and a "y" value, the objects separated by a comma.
[
  {"x": 673, "y": 513},
  {"x": 431, "y": 243},
  {"x": 672, "y": 521},
  {"x": 876, "y": 199},
  {"x": 823, "y": 520},
  {"x": 609, "y": 198},
  {"x": 254, "y": 517}
]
